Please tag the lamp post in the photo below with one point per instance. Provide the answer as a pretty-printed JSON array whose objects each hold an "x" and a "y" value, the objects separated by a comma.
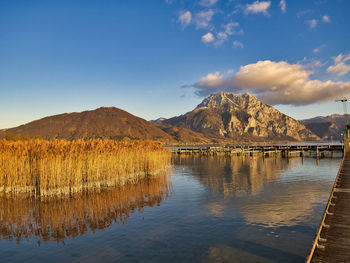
[{"x": 347, "y": 127}]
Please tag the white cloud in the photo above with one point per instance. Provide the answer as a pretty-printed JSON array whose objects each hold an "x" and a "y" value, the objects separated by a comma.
[
  {"x": 318, "y": 49},
  {"x": 340, "y": 68},
  {"x": 211, "y": 80},
  {"x": 208, "y": 2},
  {"x": 237, "y": 44},
  {"x": 221, "y": 35},
  {"x": 229, "y": 28},
  {"x": 326, "y": 19},
  {"x": 341, "y": 58},
  {"x": 275, "y": 83},
  {"x": 229, "y": 71},
  {"x": 217, "y": 41},
  {"x": 185, "y": 18},
  {"x": 311, "y": 64},
  {"x": 304, "y": 13},
  {"x": 257, "y": 7},
  {"x": 207, "y": 38},
  {"x": 312, "y": 23},
  {"x": 202, "y": 19},
  {"x": 283, "y": 6}
]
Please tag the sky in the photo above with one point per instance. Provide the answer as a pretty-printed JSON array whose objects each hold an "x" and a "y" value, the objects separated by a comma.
[{"x": 161, "y": 58}]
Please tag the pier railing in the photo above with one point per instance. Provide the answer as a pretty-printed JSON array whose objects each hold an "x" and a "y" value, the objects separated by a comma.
[{"x": 284, "y": 150}]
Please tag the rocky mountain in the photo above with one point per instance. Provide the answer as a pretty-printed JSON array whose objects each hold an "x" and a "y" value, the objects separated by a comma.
[
  {"x": 241, "y": 117},
  {"x": 105, "y": 122},
  {"x": 328, "y": 127}
]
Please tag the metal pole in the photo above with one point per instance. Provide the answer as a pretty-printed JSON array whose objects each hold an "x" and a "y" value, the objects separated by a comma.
[{"x": 344, "y": 100}]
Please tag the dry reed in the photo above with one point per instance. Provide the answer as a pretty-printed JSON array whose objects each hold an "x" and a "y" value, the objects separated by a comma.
[{"x": 47, "y": 168}]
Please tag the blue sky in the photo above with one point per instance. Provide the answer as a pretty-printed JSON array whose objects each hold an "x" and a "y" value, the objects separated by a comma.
[{"x": 161, "y": 58}]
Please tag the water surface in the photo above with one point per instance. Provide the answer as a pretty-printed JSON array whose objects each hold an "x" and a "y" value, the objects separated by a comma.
[{"x": 210, "y": 209}]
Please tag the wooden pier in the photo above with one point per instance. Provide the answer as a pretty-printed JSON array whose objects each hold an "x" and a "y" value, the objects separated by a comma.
[
  {"x": 266, "y": 151},
  {"x": 332, "y": 242}
]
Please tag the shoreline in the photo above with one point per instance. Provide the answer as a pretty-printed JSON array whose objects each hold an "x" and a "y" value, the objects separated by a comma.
[{"x": 68, "y": 191}]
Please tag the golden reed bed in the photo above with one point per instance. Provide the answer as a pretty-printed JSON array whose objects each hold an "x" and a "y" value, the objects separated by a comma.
[
  {"x": 47, "y": 168},
  {"x": 51, "y": 219}
]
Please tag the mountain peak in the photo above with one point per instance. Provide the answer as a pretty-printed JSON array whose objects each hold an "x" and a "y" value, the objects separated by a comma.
[
  {"x": 107, "y": 108},
  {"x": 227, "y": 99},
  {"x": 104, "y": 122}
]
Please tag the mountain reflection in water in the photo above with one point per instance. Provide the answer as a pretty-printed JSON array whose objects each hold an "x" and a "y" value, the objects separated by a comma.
[
  {"x": 236, "y": 175},
  {"x": 49, "y": 219},
  {"x": 266, "y": 191}
]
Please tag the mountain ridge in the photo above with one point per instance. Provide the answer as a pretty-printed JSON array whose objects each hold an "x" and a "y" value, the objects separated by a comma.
[
  {"x": 327, "y": 127},
  {"x": 220, "y": 118}
]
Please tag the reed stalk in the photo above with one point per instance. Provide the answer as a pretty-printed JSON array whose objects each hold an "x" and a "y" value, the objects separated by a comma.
[{"x": 46, "y": 168}]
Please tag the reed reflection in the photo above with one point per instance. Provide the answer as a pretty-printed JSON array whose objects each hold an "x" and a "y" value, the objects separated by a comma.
[{"x": 59, "y": 219}]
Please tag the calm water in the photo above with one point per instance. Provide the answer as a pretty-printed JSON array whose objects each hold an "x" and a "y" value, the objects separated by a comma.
[{"x": 211, "y": 209}]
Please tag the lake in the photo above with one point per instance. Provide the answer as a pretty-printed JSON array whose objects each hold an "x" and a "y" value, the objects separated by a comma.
[{"x": 207, "y": 209}]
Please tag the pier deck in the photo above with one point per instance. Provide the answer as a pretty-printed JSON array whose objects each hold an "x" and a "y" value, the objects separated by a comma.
[
  {"x": 332, "y": 243},
  {"x": 285, "y": 150}
]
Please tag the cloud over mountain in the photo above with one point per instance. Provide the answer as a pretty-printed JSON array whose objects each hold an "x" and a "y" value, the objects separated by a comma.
[{"x": 275, "y": 83}]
